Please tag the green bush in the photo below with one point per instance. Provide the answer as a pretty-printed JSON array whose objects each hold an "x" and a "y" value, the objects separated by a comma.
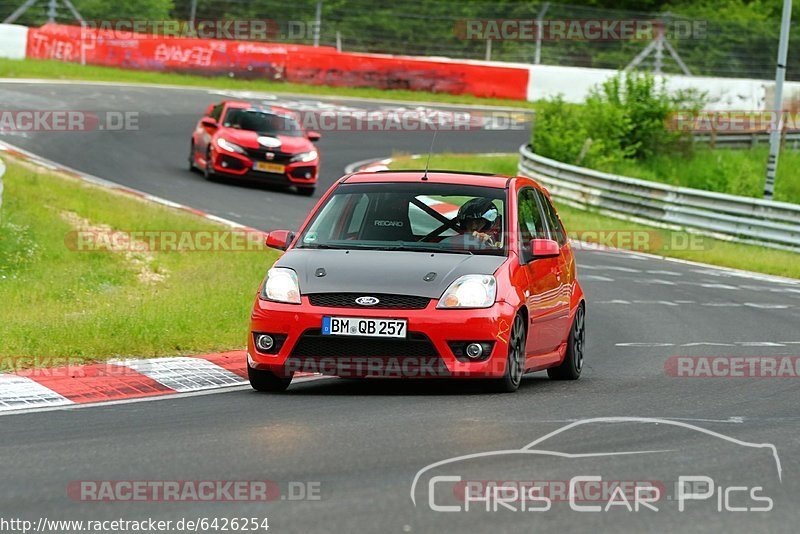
[{"x": 625, "y": 117}]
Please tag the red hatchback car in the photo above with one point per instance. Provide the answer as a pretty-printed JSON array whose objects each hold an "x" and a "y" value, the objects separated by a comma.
[
  {"x": 421, "y": 274},
  {"x": 267, "y": 144}
]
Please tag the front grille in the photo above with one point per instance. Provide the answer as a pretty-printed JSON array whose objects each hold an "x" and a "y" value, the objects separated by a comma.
[
  {"x": 313, "y": 344},
  {"x": 414, "y": 356},
  {"x": 260, "y": 154},
  {"x": 386, "y": 302}
]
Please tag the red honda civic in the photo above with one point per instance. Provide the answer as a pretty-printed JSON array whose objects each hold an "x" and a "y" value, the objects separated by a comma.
[
  {"x": 266, "y": 144},
  {"x": 421, "y": 274}
]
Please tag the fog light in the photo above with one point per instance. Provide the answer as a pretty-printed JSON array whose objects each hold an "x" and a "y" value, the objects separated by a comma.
[
  {"x": 264, "y": 342},
  {"x": 224, "y": 164},
  {"x": 308, "y": 175},
  {"x": 474, "y": 350}
]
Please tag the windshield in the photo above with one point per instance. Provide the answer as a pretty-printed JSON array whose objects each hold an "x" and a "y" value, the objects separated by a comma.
[
  {"x": 423, "y": 217},
  {"x": 263, "y": 122}
]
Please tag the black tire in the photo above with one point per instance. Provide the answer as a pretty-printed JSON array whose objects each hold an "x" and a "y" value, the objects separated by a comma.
[
  {"x": 267, "y": 381},
  {"x": 515, "y": 366},
  {"x": 306, "y": 191},
  {"x": 192, "y": 167},
  {"x": 571, "y": 367},
  {"x": 208, "y": 172}
]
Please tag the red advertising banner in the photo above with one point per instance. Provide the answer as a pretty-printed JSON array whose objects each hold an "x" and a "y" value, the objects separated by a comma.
[{"x": 274, "y": 61}]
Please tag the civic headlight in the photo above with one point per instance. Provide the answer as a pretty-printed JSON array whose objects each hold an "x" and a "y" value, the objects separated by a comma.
[
  {"x": 470, "y": 291},
  {"x": 281, "y": 286},
  {"x": 305, "y": 156},
  {"x": 227, "y": 145}
]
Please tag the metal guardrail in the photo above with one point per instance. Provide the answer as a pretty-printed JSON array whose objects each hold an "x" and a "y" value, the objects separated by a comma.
[
  {"x": 791, "y": 140},
  {"x": 747, "y": 220}
]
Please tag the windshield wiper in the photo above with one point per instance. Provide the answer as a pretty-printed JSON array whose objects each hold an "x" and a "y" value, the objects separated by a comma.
[
  {"x": 349, "y": 246},
  {"x": 389, "y": 248},
  {"x": 425, "y": 249}
]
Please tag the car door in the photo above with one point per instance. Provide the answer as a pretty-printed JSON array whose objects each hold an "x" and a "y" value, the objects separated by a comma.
[
  {"x": 564, "y": 269},
  {"x": 543, "y": 285}
]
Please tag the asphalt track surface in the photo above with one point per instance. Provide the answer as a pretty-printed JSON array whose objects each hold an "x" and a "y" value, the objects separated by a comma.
[{"x": 364, "y": 442}]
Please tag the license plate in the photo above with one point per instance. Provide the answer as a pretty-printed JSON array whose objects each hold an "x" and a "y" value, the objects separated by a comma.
[
  {"x": 358, "y": 326},
  {"x": 263, "y": 166}
]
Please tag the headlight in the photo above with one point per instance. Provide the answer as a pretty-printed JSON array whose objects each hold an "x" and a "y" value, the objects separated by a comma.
[
  {"x": 281, "y": 286},
  {"x": 470, "y": 291},
  {"x": 227, "y": 145},
  {"x": 305, "y": 156}
]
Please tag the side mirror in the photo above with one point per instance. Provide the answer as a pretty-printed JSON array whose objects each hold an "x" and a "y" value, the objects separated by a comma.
[
  {"x": 208, "y": 122},
  {"x": 544, "y": 248},
  {"x": 314, "y": 136},
  {"x": 279, "y": 239}
]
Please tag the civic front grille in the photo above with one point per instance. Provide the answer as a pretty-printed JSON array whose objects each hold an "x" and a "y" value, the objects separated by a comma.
[{"x": 260, "y": 154}]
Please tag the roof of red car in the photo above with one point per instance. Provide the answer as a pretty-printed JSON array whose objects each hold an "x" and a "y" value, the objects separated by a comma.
[{"x": 436, "y": 177}]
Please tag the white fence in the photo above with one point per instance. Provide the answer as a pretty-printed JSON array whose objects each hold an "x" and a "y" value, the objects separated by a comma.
[{"x": 742, "y": 219}]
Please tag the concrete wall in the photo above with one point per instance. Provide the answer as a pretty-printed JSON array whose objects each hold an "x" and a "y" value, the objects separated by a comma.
[{"x": 574, "y": 84}]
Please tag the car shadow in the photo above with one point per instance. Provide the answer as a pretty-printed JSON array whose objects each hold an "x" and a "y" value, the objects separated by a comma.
[
  {"x": 401, "y": 387},
  {"x": 253, "y": 184}
]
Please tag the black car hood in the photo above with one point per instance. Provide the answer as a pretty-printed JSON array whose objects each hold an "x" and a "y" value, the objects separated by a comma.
[{"x": 379, "y": 271}]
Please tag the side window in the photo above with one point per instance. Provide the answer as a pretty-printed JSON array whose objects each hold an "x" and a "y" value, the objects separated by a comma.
[
  {"x": 557, "y": 232},
  {"x": 216, "y": 113},
  {"x": 338, "y": 215},
  {"x": 531, "y": 225}
]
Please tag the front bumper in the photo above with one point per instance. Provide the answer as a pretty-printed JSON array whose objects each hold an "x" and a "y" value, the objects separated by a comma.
[
  {"x": 237, "y": 165},
  {"x": 429, "y": 327}
]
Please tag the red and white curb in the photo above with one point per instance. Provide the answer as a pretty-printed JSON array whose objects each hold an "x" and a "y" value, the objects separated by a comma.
[{"x": 118, "y": 380}]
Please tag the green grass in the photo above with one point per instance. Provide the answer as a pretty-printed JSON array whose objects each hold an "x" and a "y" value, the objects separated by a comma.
[
  {"x": 737, "y": 172},
  {"x": 579, "y": 222},
  {"x": 88, "y": 306},
  {"x": 49, "y": 69}
]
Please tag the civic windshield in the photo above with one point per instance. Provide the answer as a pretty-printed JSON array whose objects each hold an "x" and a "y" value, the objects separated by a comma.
[
  {"x": 458, "y": 219},
  {"x": 263, "y": 122}
]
